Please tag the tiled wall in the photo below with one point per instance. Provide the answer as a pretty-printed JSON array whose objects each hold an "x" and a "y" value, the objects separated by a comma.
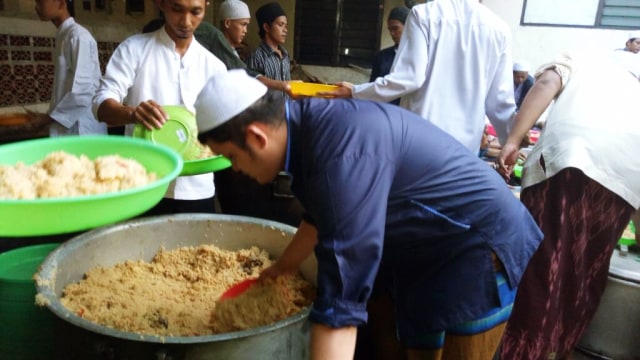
[{"x": 26, "y": 68}]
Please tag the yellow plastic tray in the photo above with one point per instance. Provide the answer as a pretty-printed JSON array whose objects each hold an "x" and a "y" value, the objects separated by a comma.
[{"x": 299, "y": 88}]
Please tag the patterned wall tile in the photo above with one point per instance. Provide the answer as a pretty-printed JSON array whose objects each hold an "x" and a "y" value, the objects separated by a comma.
[
  {"x": 6, "y": 84},
  {"x": 25, "y": 84},
  {"x": 20, "y": 55},
  {"x": 103, "y": 45},
  {"x": 43, "y": 41},
  {"x": 44, "y": 70},
  {"x": 44, "y": 93},
  {"x": 26, "y": 68},
  {"x": 7, "y": 98},
  {"x": 46, "y": 82},
  {"x": 103, "y": 57},
  {"x": 5, "y": 71},
  {"x": 23, "y": 70},
  {"x": 43, "y": 56},
  {"x": 25, "y": 90},
  {"x": 17, "y": 40},
  {"x": 29, "y": 97}
]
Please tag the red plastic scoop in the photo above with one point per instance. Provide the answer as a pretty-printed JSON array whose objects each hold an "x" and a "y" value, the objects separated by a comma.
[{"x": 238, "y": 289}]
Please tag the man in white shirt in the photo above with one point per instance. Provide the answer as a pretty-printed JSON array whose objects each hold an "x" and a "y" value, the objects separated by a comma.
[
  {"x": 581, "y": 183},
  {"x": 165, "y": 67},
  {"x": 629, "y": 55},
  {"x": 234, "y": 20},
  {"x": 453, "y": 67},
  {"x": 76, "y": 74}
]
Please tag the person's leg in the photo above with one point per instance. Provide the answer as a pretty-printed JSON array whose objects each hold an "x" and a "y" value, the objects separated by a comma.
[
  {"x": 378, "y": 339},
  {"x": 564, "y": 280},
  {"x": 415, "y": 354},
  {"x": 476, "y": 339},
  {"x": 381, "y": 329},
  {"x": 481, "y": 346}
]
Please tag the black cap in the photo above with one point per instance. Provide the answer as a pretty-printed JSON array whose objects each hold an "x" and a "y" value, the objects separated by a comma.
[
  {"x": 399, "y": 13},
  {"x": 269, "y": 12}
]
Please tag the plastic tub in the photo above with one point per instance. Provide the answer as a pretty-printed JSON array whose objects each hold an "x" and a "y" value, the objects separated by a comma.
[
  {"x": 26, "y": 330},
  {"x": 50, "y": 216}
]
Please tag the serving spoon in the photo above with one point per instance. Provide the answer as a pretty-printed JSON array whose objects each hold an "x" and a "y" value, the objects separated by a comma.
[{"x": 238, "y": 288}]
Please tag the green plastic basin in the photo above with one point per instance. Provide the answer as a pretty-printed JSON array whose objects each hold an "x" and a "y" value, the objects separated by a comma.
[{"x": 63, "y": 215}]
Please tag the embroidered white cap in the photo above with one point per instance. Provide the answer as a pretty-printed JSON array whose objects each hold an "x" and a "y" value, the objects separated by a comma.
[
  {"x": 234, "y": 9},
  {"x": 224, "y": 96},
  {"x": 633, "y": 35},
  {"x": 520, "y": 66}
]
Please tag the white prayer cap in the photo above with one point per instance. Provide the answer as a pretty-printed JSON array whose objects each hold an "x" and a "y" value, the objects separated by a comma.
[
  {"x": 520, "y": 66},
  {"x": 234, "y": 9},
  {"x": 634, "y": 35},
  {"x": 224, "y": 96}
]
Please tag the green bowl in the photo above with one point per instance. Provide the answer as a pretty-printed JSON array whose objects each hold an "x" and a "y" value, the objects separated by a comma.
[
  {"x": 180, "y": 133},
  {"x": 201, "y": 166},
  {"x": 27, "y": 331},
  {"x": 64, "y": 215}
]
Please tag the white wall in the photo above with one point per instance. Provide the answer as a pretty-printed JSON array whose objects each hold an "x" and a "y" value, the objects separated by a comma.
[{"x": 539, "y": 44}]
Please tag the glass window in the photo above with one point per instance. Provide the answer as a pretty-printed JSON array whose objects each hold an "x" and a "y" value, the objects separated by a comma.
[{"x": 615, "y": 14}]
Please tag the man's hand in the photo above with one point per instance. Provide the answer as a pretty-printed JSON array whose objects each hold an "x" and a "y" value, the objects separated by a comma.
[
  {"x": 507, "y": 159},
  {"x": 274, "y": 271},
  {"x": 150, "y": 114},
  {"x": 345, "y": 90}
]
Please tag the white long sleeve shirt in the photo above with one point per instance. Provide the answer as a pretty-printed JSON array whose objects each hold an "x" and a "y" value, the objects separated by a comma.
[
  {"x": 592, "y": 125},
  {"x": 629, "y": 60},
  {"x": 76, "y": 77},
  {"x": 147, "y": 67},
  {"x": 453, "y": 67}
]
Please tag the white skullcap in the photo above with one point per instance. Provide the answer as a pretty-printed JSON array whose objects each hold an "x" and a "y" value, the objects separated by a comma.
[
  {"x": 634, "y": 35},
  {"x": 234, "y": 9},
  {"x": 520, "y": 66},
  {"x": 224, "y": 96}
]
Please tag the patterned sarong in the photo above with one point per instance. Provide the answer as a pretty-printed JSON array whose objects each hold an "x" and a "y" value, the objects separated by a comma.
[{"x": 564, "y": 281}]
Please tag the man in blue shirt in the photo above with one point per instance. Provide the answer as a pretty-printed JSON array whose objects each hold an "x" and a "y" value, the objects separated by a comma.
[{"x": 390, "y": 200}]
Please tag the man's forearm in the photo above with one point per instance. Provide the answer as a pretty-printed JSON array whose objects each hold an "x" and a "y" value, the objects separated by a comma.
[
  {"x": 329, "y": 343},
  {"x": 114, "y": 113}
]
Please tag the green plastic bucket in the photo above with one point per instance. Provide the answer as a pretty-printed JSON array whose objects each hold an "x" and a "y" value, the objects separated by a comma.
[
  {"x": 26, "y": 330},
  {"x": 628, "y": 237}
]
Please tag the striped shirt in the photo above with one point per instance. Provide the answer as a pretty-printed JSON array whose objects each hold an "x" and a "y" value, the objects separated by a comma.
[{"x": 267, "y": 62}]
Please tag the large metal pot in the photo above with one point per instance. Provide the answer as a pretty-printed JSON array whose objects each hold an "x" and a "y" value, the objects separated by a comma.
[
  {"x": 613, "y": 332},
  {"x": 141, "y": 239}
]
